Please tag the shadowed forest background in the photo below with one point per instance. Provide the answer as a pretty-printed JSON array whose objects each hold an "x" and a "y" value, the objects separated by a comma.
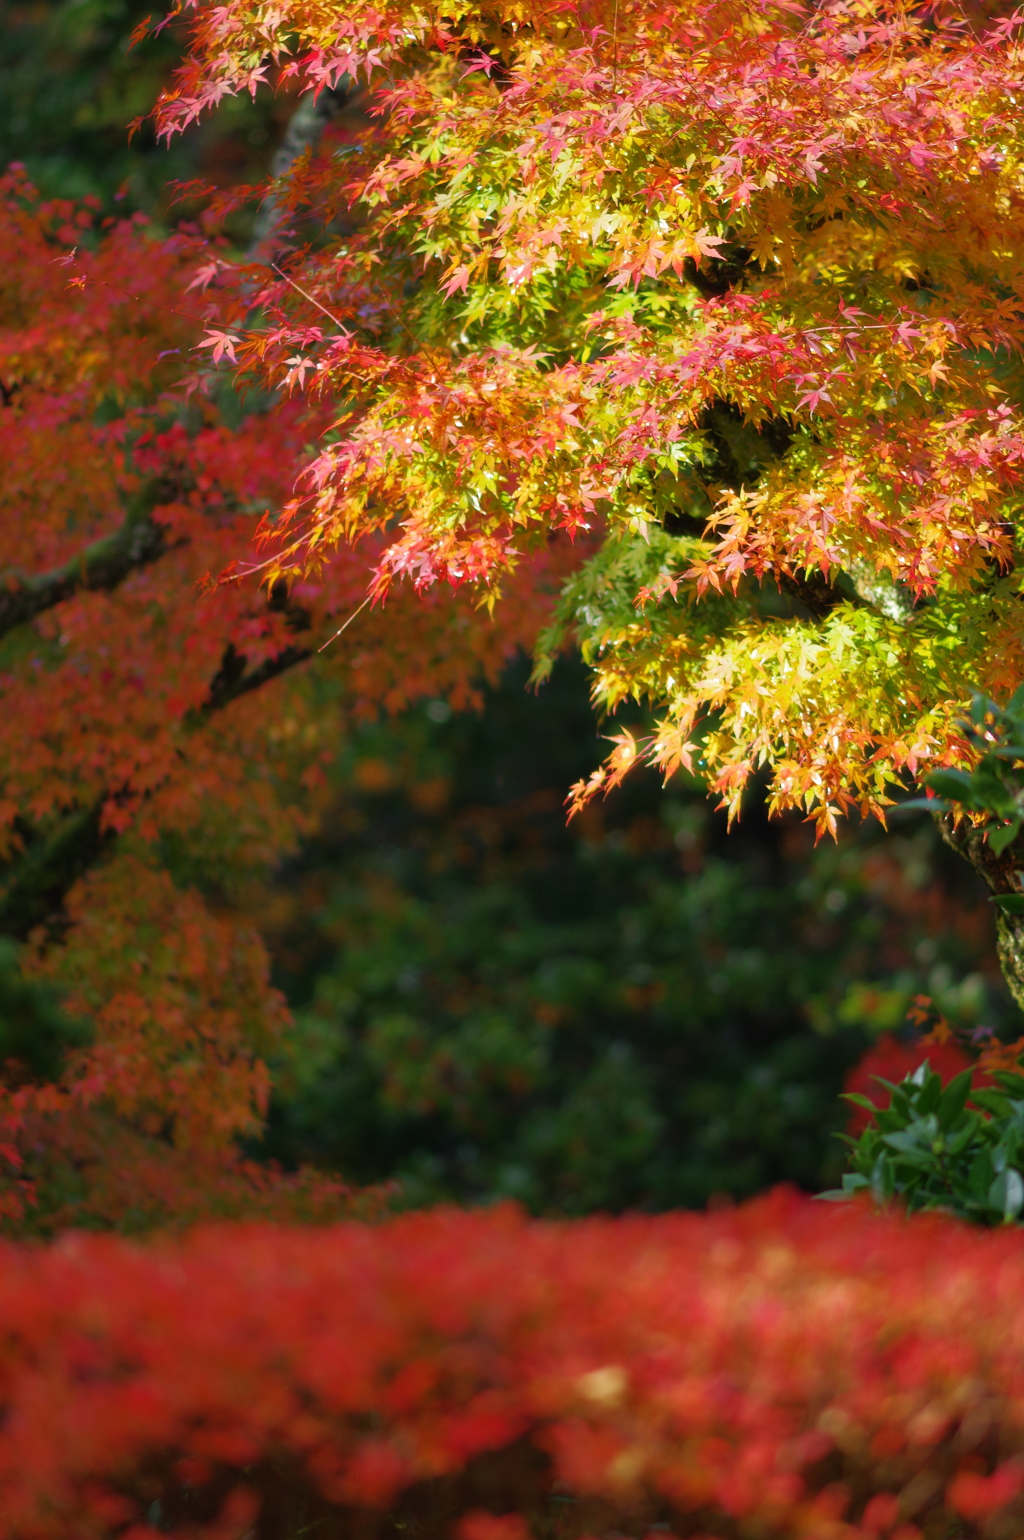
[{"x": 640, "y": 1009}]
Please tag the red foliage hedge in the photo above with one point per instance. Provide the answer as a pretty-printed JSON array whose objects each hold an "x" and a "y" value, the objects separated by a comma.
[{"x": 784, "y": 1369}]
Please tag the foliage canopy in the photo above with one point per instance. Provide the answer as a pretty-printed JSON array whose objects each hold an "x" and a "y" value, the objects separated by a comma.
[{"x": 732, "y": 291}]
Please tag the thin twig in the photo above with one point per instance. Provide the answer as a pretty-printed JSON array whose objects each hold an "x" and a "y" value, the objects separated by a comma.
[
  {"x": 101, "y": 283},
  {"x": 312, "y": 301},
  {"x": 345, "y": 627},
  {"x": 615, "y": 46},
  {"x": 420, "y": 346}
]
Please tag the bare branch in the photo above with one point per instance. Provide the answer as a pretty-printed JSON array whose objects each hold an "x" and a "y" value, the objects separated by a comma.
[{"x": 234, "y": 678}]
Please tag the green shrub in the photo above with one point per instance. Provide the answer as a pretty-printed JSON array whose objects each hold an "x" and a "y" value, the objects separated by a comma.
[{"x": 949, "y": 1147}]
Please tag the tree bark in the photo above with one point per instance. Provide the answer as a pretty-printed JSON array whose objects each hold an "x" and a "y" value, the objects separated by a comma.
[
  {"x": 305, "y": 127},
  {"x": 1001, "y": 874}
]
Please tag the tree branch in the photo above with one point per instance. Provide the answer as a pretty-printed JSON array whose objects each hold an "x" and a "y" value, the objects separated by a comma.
[
  {"x": 999, "y": 872},
  {"x": 103, "y": 564},
  {"x": 305, "y": 127},
  {"x": 50, "y": 867},
  {"x": 35, "y": 891},
  {"x": 233, "y": 679},
  {"x": 879, "y": 591},
  {"x": 813, "y": 591}
]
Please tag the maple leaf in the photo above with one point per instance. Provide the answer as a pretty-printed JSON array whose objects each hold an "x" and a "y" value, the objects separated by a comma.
[
  {"x": 204, "y": 276},
  {"x": 223, "y": 345},
  {"x": 457, "y": 282}
]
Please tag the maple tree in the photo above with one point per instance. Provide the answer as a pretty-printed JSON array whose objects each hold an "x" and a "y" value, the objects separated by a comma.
[
  {"x": 154, "y": 743},
  {"x": 779, "y": 1369},
  {"x": 731, "y": 289},
  {"x": 723, "y": 294}
]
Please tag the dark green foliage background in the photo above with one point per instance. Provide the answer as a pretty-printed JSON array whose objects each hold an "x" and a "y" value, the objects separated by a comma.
[
  {"x": 641, "y": 1009},
  {"x": 70, "y": 85}
]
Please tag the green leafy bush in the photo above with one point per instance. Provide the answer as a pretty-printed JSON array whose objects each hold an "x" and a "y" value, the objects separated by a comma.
[
  {"x": 944, "y": 1147},
  {"x": 995, "y": 786},
  {"x": 992, "y": 792}
]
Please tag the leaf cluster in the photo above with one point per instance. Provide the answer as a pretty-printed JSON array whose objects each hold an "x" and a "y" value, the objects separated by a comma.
[
  {"x": 993, "y": 788},
  {"x": 956, "y": 1148},
  {"x": 780, "y": 1369},
  {"x": 156, "y": 753},
  {"x": 751, "y": 272}
]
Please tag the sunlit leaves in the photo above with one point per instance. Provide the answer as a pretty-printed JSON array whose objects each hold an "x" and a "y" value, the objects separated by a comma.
[{"x": 654, "y": 264}]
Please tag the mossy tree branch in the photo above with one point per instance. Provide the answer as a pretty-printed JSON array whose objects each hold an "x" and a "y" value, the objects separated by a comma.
[
  {"x": 105, "y": 563},
  {"x": 39, "y": 880},
  {"x": 999, "y": 873}
]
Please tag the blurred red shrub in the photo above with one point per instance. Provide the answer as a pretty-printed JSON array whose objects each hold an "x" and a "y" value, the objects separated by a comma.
[{"x": 784, "y": 1369}]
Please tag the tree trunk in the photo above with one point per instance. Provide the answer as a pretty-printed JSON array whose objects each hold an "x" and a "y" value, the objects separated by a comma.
[
  {"x": 1001, "y": 874},
  {"x": 305, "y": 127}
]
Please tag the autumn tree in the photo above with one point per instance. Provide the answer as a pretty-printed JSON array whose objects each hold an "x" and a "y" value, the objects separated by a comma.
[
  {"x": 709, "y": 313},
  {"x": 157, "y": 744},
  {"x": 733, "y": 290}
]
